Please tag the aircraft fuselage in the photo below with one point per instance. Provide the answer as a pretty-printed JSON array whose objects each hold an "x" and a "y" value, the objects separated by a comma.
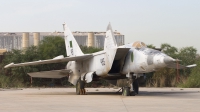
[{"x": 145, "y": 60}]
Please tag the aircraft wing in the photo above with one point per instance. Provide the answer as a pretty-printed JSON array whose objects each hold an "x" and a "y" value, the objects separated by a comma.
[
  {"x": 54, "y": 60},
  {"x": 174, "y": 65},
  {"x": 51, "y": 74}
]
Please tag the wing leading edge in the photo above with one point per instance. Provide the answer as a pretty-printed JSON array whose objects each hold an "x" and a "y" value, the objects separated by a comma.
[{"x": 55, "y": 60}]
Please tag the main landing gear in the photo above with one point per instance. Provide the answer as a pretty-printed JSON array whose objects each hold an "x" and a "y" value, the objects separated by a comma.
[{"x": 80, "y": 87}]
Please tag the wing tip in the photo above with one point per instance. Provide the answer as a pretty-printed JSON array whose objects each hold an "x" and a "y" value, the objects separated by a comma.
[
  {"x": 9, "y": 65},
  {"x": 190, "y": 66}
]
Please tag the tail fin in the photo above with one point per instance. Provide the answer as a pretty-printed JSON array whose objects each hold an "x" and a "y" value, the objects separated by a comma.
[
  {"x": 110, "y": 46},
  {"x": 110, "y": 41},
  {"x": 72, "y": 46}
]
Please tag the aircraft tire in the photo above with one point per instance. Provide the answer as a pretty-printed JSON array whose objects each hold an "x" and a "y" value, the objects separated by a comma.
[
  {"x": 126, "y": 91},
  {"x": 80, "y": 87},
  {"x": 136, "y": 86}
]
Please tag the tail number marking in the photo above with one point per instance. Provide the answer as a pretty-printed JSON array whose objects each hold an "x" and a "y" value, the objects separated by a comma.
[
  {"x": 72, "y": 52},
  {"x": 102, "y": 61}
]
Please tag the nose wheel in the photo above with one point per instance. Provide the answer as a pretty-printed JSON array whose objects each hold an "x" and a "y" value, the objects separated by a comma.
[{"x": 133, "y": 87}]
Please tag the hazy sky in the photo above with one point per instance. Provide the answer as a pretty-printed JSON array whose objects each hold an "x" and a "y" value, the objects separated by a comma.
[{"x": 176, "y": 22}]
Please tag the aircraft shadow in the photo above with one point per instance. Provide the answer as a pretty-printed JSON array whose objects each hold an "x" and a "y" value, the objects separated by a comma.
[
  {"x": 73, "y": 93},
  {"x": 114, "y": 93},
  {"x": 169, "y": 94}
]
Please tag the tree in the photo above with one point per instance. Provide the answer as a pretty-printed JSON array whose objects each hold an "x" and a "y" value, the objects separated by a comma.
[
  {"x": 49, "y": 48},
  {"x": 194, "y": 78},
  {"x": 169, "y": 50},
  {"x": 86, "y": 49},
  {"x": 187, "y": 55},
  {"x": 151, "y": 46}
]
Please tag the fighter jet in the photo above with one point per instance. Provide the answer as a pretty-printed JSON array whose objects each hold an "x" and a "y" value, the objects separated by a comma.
[{"x": 114, "y": 62}]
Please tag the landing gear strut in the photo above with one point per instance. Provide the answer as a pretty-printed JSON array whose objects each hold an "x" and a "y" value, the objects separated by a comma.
[
  {"x": 132, "y": 87},
  {"x": 80, "y": 87},
  {"x": 135, "y": 86}
]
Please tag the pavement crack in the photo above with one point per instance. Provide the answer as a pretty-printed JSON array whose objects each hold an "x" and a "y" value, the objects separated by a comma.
[{"x": 124, "y": 104}]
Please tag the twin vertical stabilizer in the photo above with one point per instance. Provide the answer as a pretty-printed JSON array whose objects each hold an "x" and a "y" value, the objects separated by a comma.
[
  {"x": 110, "y": 46},
  {"x": 110, "y": 41},
  {"x": 72, "y": 46}
]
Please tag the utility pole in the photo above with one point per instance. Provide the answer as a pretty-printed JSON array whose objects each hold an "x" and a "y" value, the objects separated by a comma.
[
  {"x": 177, "y": 74},
  {"x": 31, "y": 81}
]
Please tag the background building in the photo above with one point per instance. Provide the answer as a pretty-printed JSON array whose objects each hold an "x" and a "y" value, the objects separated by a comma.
[{"x": 21, "y": 40}]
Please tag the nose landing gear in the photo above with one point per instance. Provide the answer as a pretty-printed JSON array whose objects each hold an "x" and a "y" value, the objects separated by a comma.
[{"x": 133, "y": 87}]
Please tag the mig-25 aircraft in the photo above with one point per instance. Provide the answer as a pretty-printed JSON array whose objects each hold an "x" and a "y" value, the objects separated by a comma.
[{"x": 129, "y": 61}]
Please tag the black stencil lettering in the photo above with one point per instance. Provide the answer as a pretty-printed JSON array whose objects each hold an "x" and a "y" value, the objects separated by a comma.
[{"x": 102, "y": 62}]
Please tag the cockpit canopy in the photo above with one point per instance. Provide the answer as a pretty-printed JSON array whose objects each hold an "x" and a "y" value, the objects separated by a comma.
[{"x": 139, "y": 44}]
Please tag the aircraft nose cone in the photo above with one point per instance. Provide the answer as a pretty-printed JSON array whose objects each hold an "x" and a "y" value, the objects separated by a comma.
[{"x": 168, "y": 60}]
